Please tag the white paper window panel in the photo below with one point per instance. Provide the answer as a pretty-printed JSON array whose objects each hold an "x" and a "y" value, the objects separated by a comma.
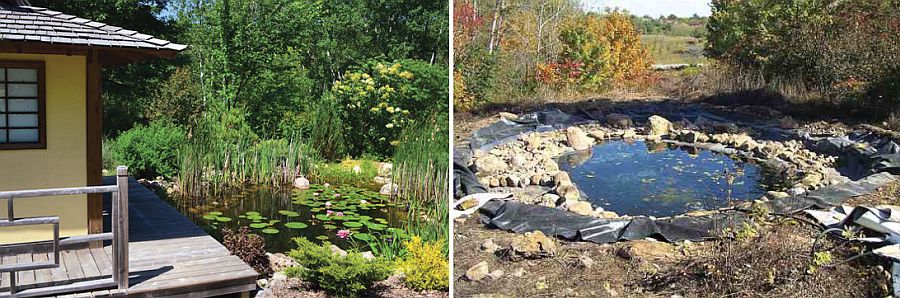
[
  {"x": 23, "y": 136},
  {"x": 22, "y": 75},
  {"x": 22, "y": 90},
  {"x": 23, "y": 105},
  {"x": 26, "y": 120}
]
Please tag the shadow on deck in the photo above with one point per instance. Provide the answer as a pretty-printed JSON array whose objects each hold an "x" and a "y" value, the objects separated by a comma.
[{"x": 168, "y": 256}]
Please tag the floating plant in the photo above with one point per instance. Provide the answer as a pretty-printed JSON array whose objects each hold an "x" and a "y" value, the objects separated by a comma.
[
  {"x": 352, "y": 224},
  {"x": 270, "y": 231},
  {"x": 296, "y": 225}
]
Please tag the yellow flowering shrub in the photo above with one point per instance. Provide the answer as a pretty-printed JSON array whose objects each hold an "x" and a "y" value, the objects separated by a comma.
[
  {"x": 425, "y": 267},
  {"x": 382, "y": 98}
]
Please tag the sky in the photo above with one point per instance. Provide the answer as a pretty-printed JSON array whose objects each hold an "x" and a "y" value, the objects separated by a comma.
[{"x": 655, "y": 8}]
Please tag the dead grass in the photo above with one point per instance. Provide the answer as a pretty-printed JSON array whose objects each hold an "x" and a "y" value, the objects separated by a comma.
[
  {"x": 775, "y": 263},
  {"x": 778, "y": 263}
]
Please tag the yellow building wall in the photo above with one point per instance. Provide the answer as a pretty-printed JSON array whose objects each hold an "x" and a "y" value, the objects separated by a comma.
[{"x": 62, "y": 164}]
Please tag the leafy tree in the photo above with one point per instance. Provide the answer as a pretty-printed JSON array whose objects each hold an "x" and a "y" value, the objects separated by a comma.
[{"x": 127, "y": 90}]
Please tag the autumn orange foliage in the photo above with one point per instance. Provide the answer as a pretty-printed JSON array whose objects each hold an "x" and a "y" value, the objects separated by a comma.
[{"x": 606, "y": 48}]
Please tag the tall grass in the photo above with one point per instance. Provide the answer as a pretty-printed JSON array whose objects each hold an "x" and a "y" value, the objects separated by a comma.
[
  {"x": 216, "y": 160},
  {"x": 421, "y": 170}
]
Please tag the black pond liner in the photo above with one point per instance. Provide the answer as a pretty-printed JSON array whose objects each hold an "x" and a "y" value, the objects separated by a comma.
[{"x": 870, "y": 160}]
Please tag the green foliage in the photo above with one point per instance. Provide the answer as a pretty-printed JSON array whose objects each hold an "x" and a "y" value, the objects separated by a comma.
[
  {"x": 844, "y": 49},
  {"x": 381, "y": 99},
  {"x": 149, "y": 151},
  {"x": 224, "y": 152},
  {"x": 343, "y": 173},
  {"x": 349, "y": 276},
  {"x": 127, "y": 90},
  {"x": 322, "y": 125},
  {"x": 607, "y": 47},
  {"x": 177, "y": 100},
  {"x": 425, "y": 267},
  {"x": 421, "y": 169}
]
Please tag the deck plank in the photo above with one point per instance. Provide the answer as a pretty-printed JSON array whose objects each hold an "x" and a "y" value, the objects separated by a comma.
[
  {"x": 25, "y": 277},
  {"x": 42, "y": 276},
  {"x": 88, "y": 265},
  {"x": 168, "y": 256},
  {"x": 103, "y": 261}
]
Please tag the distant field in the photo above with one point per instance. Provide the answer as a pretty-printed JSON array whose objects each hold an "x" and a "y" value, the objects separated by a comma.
[{"x": 674, "y": 49}]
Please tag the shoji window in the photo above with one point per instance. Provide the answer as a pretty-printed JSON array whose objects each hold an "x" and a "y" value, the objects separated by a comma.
[{"x": 22, "y": 119}]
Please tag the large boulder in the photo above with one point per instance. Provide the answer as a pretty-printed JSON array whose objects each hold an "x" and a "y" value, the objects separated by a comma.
[
  {"x": 619, "y": 120},
  {"x": 489, "y": 164},
  {"x": 389, "y": 189},
  {"x": 658, "y": 126},
  {"x": 577, "y": 139},
  {"x": 301, "y": 183}
]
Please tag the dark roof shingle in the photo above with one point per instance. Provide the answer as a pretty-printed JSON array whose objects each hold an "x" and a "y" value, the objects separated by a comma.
[{"x": 20, "y": 23}]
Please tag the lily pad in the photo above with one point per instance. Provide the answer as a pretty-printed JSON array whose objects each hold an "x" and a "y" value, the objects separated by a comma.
[
  {"x": 322, "y": 237},
  {"x": 322, "y": 217},
  {"x": 253, "y": 213},
  {"x": 363, "y": 236},
  {"x": 296, "y": 225},
  {"x": 288, "y": 213},
  {"x": 258, "y": 225},
  {"x": 375, "y": 226},
  {"x": 215, "y": 213},
  {"x": 210, "y": 217},
  {"x": 270, "y": 231},
  {"x": 352, "y": 224},
  {"x": 223, "y": 219},
  {"x": 329, "y": 227}
]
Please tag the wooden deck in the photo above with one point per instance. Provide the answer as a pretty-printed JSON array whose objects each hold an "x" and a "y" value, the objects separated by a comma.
[{"x": 169, "y": 256}]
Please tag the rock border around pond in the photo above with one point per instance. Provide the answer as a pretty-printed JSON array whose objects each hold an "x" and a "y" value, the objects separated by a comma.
[{"x": 531, "y": 159}]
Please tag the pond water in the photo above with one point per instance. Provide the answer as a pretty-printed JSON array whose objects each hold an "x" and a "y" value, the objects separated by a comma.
[
  {"x": 281, "y": 215},
  {"x": 639, "y": 178}
]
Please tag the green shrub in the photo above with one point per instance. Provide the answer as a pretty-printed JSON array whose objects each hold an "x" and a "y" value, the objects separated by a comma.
[
  {"x": 349, "y": 276},
  {"x": 343, "y": 173},
  {"x": 380, "y": 99},
  {"x": 149, "y": 151},
  {"x": 425, "y": 266},
  {"x": 321, "y": 124}
]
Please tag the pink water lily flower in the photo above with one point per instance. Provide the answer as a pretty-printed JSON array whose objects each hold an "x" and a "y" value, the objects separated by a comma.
[
  {"x": 339, "y": 214},
  {"x": 329, "y": 212},
  {"x": 343, "y": 234},
  {"x": 337, "y": 195},
  {"x": 327, "y": 204}
]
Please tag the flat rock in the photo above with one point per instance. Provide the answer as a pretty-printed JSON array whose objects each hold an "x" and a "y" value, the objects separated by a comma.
[
  {"x": 534, "y": 245},
  {"x": 644, "y": 250},
  {"x": 581, "y": 208},
  {"x": 478, "y": 272}
]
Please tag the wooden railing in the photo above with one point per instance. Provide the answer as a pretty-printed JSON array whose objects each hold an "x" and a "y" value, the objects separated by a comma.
[{"x": 118, "y": 236}]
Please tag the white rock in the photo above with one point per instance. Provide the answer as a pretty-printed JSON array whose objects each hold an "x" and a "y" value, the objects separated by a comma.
[
  {"x": 301, "y": 183},
  {"x": 390, "y": 189}
]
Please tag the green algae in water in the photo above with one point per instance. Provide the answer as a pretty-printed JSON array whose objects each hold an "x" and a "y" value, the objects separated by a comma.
[{"x": 638, "y": 178}]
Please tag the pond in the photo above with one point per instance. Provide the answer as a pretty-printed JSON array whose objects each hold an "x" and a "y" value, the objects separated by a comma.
[
  {"x": 640, "y": 178},
  {"x": 318, "y": 214}
]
